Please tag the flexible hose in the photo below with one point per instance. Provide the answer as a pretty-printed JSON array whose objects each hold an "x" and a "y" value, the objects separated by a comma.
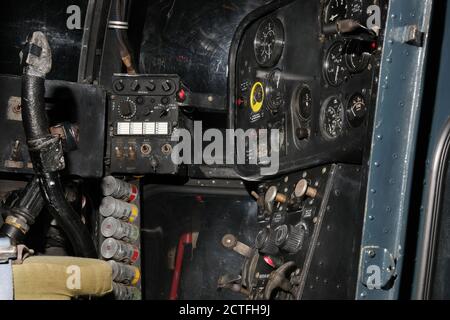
[
  {"x": 35, "y": 121},
  {"x": 36, "y": 127}
]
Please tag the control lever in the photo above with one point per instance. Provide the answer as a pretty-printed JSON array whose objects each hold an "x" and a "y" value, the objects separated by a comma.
[
  {"x": 347, "y": 26},
  {"x": 229, "y": 241},
  {"x": 233, "y": 283},
  {"x": 278, "y": 279}
]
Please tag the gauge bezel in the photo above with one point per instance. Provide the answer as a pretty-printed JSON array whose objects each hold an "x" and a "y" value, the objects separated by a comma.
[
  {"x": 271, "y": 90},
  {"x": 279, "y": 42},
  {"x": 325, "y": 63},
  {"x": 327, "y": 9},
  {"x": 323, "y": 109},
  {"x": 355, "y": 122},
  {"x": 298, "y": 102},
  {"x": 348, "y": 56}
]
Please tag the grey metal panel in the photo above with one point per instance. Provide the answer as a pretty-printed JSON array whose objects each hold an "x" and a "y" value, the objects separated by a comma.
[
  {"x": 440, "y": 127},
  {"x": 393, "y": 146}
]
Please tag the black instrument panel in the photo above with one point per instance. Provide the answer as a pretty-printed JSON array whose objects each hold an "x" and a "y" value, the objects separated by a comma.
[
  {"x": 143, "y": 115},
  {"x": 318, "y": 88}
]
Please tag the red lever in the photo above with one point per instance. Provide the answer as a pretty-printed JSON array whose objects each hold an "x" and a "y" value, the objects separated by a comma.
[{"x": 185, "y": 239}]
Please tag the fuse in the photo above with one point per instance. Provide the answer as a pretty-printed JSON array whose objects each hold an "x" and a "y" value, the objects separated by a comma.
[
  {"x": 125, "y": 274},
  {"x": 111, "y": 207},
  {"x": 113, "y": 228},
  {"x": 119, "y": 251},
  {"x": 119, "y": 189},
  {"x": 122, "y": 292}
]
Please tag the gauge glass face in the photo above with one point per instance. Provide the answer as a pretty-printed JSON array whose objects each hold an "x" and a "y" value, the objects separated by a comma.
[
  {"x": 335, "y": 67},
  {"x": 275, "y": 91},
  {"x": 305, "y": 102},
  {"x": 332, "y": 118},
  {"x": 357, "y": 55},
  {"x": 356, "y": 110},
  {"x": 335, "y": 10},
  {"x": 356, "y": 10},
  {"x": 269, "y": 42}
]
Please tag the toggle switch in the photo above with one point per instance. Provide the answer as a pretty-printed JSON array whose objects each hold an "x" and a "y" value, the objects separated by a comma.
[{"x": 303, "y": 189}]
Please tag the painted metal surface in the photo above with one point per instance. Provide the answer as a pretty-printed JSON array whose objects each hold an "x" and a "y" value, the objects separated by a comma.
[
  {"x": 19, "y": 18},
  {"x": 435, "y": 162},
  {"x": 393, "y": 147}
]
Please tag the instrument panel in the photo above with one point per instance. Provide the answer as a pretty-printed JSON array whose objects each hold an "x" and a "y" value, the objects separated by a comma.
[{"x": 317, "y": 87}]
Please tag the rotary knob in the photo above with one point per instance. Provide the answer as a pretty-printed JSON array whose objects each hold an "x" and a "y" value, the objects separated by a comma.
[
  {"x": 265, "y": 242},
  {"x": 135, "y": 86},
  {"x": 150, "y": 85},
  {"x": 290, "y": 238},
  {"x": 127, "y": 109},
  {"x": 167, "y": 86},
  {"x": 119, "y": 86}
]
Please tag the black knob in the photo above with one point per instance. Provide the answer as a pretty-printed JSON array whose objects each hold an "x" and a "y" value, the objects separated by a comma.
[
  {"x": 265, "y": 242},
  {"x": 290, "y": 238},
  {"x": 302, "y": 133},
  {"x": 166, "y": 86},
  {"x": 126, "y": 109},
  {"x": 150, "y": 85},
  {"x": 135, "y": 86},
  {"x": 146, "y": 111},
  {"x": 119, "y": 86},
  {"x": 140, "y": 100},
  {"x": 165, "y": 101}
]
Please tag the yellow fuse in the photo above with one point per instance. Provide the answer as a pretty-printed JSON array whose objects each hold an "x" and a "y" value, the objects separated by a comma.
[{"x": 134, "y": 213}]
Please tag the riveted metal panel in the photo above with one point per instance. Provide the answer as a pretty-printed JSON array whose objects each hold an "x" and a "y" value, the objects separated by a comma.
[{"x": 394, "y": 141}]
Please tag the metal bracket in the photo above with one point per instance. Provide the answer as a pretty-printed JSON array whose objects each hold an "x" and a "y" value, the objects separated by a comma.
[
  {"x": 410, "y": 34},
  {"x": 378, "y": 268},
  {"x": 7, "y": 253}
]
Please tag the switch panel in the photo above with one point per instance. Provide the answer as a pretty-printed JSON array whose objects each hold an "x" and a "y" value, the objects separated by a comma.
[{"x": 143, "y": 114}]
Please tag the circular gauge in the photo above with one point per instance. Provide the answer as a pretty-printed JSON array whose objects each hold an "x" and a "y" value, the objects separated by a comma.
[
  {"x": 356, "y": 110},
  {"x": 332, "y": 118},
  {"x": 275, "y": 91},
  {"x": 257, "y": 97},
  {"x": 357, "y": 55},
  {"x": 355, "y": 10},
  {"x": 305, "y": 102},
  {"x": 335, "y": 10},
  {"x": 335, "y": 68},
  {"x": 269, "y": 42}
]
